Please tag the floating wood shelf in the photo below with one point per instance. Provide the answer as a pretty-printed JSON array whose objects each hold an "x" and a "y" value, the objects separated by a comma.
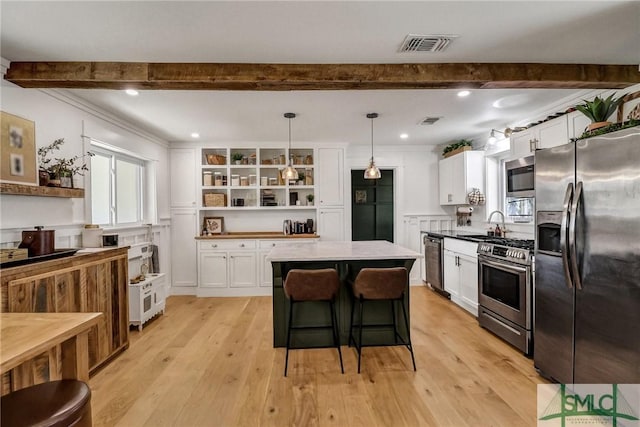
[{"x": 31, "y": 190}]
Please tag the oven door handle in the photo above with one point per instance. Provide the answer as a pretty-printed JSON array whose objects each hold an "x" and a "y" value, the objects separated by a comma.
[
  {"x": 564, "y": 231},
  {"x": 485, "y": 261},
  {"x": 572, "y": 236}
]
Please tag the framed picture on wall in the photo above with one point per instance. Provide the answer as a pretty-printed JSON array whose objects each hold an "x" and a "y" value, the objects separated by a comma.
[
  {"x": 18, "y": 150},
  {"x": 213, "y": 225}
]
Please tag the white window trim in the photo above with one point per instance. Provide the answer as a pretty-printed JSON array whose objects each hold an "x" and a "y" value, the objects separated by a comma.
[{"x": 143, "y": 185}]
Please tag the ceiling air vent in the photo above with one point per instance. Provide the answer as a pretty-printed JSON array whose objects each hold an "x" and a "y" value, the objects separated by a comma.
[
  {"x": 431, "y": 43},
  {"x": 429, "y": 121}
]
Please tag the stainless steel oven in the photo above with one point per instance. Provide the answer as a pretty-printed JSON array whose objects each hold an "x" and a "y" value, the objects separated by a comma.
[{"x": 505, "y": 293}]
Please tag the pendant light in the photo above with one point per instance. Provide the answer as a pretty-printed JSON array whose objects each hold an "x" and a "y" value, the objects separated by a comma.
[
  {"x": 372, "y": 171},
  {"x": 289, "y": 173}
]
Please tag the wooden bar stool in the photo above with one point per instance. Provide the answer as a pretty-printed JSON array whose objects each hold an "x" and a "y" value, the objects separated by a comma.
[
  {"x": 380, "y": 284},
  {"x": 52, "y": 404},
  {"x": 312, "y": 285}
]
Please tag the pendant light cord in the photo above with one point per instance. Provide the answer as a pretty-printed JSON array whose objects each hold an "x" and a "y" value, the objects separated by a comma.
[{"x": 372, "y": 139}]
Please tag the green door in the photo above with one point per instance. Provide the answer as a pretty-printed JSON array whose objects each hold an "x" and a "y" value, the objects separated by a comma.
[{"x": 372, "y": 206}]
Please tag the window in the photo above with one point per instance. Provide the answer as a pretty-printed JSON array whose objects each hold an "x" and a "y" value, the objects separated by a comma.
[{"x": 116, "y": 188}]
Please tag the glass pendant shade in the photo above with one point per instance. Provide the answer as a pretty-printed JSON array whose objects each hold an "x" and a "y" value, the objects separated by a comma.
[
  {"x": 289, "y": 173},
  {"x": 372, "y": 171}
]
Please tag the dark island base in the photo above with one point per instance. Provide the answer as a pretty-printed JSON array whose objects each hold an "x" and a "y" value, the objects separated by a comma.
[{"x": 311, "y": 313}]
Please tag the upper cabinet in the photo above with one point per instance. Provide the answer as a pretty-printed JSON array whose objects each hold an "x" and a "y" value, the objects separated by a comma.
[
  {"x": 458, "y": 175},
  {"x": 578, "y": 123},
  {"x": 331, "y": 176},
  {"x": 183, "y": 177},
  {"x": 545, "y": 135}
]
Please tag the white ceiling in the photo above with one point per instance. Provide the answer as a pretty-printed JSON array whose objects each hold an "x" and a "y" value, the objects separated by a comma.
[{"x": 601, "y": 32}]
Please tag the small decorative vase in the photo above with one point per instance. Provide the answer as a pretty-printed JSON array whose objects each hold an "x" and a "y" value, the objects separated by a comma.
[
  {"x": 597, "y": 125},
  {"x": 66, "y": 182}
]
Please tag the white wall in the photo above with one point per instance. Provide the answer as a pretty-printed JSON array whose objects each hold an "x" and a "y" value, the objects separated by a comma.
[{"x": 57, "y": 115}]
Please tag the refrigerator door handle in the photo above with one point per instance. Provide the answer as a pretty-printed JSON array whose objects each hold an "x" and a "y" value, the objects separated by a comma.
[
  {"x": 564, "y": 230},
  {"x": 572, "y": 236}
]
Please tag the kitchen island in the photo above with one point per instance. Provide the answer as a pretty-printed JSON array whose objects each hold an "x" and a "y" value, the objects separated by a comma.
[{"x": 348, "y": 258}]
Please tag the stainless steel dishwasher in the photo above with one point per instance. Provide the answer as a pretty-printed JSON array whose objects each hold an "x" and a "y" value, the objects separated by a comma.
[{"x": 434, "y": 263}]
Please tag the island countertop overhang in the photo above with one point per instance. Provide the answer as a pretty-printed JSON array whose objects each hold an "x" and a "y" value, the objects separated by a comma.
[{"x": 341, "y": 251}]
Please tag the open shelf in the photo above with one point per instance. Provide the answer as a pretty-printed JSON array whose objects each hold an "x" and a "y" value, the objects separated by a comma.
[{"x": 33, "y": 190}]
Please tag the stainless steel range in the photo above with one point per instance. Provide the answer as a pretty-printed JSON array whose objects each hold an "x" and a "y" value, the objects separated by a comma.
[{"x": 505, "y": 290}]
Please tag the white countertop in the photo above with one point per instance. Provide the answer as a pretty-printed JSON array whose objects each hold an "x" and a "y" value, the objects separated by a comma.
[{"x": 340, "y": 251}]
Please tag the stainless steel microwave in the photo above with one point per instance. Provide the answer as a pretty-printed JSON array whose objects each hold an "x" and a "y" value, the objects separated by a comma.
[{"x": 520, "y": 177}]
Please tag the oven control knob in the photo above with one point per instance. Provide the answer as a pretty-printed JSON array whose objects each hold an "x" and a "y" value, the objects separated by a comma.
[
  {"x": 509, "y": 253},
  {"x": 522, "y": 255}
]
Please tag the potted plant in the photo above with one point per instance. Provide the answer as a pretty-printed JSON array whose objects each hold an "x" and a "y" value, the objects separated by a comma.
[
  {"x": 60, "y": 171},
  {"x": 237, "y": 158},
  {"x": 457, "y": 147},
  {"x": 599, "y": 110},
  {"x": 310, "y": 199}
]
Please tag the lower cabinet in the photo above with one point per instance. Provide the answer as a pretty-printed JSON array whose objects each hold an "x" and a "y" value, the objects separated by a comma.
[
  {"x": 461, "y": 273},
  {"x": 230, "y": 267}
]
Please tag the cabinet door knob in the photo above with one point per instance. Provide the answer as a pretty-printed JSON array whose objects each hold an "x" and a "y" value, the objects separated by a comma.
[
  {"x": 214, "y": 246},
  {"x": 242, "y": 245},
  {"x": 273, "y": 245},
  {"x": 224, "y": 257}
]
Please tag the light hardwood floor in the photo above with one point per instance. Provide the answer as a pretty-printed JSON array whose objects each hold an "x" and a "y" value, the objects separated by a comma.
[{"x": 210, "y": 362}]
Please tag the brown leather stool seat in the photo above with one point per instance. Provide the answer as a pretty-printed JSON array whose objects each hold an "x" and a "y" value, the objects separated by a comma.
[
  {"x": 52, "y": 404},
  {"x": 380, "y": 284},
  {"x": 312, "y": 285}
]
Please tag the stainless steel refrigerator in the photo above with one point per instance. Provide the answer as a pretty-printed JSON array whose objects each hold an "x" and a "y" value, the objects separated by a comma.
[{"x": 587, "y": 260}]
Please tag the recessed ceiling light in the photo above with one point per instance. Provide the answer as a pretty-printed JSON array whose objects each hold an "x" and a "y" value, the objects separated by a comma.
[
  {"x": 464, "y": 93},
  {"x": 131, "y": 92},
  {"x": 404, "y": 135},
  {"x": 195, "y": 135}
]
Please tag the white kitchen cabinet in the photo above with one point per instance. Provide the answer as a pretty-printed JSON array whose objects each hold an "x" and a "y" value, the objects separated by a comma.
[
  {"x": 183, "y": 248},
  {"x": 331, "y": 224},
  {"x": 577, "y": 123},
  {"x": 458, "y": 175},
  {"x": 212, "y": 271},
  {"x": 183, "y": 177},
  {"x": 330, "y": 177},
  {"x": 451, "y": 275},
  {"x": 226, "y": 264},
  {"x": 242, "y": 269},
  {"x": 461, "y": 273},
  {"x": 545, "y": 135}
]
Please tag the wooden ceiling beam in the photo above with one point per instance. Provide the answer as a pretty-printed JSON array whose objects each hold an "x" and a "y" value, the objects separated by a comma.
[{"x": 241, "y": 76}]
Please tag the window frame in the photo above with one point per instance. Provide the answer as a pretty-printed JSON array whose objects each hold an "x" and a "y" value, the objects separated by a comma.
[{"x": 114, "y": 156}]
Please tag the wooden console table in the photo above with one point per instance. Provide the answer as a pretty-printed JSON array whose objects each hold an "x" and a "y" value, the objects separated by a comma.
[{"x": 27, "y": 335}]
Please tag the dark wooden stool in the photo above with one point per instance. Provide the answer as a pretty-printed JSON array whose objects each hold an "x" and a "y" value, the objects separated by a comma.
[
  {"x": 380, "y": 284},
  {"x": 52, "y": 404},
  {"x": 312, "y": 285}
]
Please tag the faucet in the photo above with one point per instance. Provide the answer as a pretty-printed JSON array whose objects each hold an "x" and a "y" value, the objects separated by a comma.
[{"x": 504, "y": 230}]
